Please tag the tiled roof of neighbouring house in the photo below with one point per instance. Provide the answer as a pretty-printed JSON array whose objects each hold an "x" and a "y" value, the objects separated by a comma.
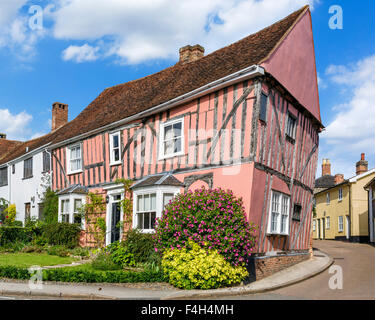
[
  {"x": 128, "y": 99},
  {"x": 125, "y": 100},
  {"x": 326, "y": 181},
  {"x": 6, "y": 146},
  {"x": 20, "y": 149}
]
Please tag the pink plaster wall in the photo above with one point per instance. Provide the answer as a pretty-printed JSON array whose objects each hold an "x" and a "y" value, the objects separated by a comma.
[{"x": 293, "y": 65}]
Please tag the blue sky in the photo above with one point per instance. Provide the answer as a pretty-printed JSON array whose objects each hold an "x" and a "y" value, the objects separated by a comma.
[{"x": 84, "y": 46}]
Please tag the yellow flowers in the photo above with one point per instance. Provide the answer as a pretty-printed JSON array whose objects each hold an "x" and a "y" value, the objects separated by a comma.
[{"x": 198, "y": 268}]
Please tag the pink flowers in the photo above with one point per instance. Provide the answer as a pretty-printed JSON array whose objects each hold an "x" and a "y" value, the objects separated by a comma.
[{"x": 215, "y": 219}]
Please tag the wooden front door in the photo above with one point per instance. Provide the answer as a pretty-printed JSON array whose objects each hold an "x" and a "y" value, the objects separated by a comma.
[{"x": 115, "y": 228}]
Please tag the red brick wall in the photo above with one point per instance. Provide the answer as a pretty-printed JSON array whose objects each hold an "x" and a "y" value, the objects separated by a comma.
[{"x": 264, "y": 267}]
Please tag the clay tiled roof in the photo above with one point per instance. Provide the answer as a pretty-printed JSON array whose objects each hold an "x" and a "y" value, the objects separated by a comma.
[
  {"x": 6, "y": 146},
  {"x": 128, "y": 99},
  {"x": 125, "y": 100},
  {"x": 20, "y": 148}
]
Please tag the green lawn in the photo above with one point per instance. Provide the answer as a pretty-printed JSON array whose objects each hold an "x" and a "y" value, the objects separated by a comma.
[{"x": 25, "y": 260}]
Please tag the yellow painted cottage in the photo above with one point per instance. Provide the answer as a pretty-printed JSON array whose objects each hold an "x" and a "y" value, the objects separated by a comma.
[{"x": 342, "y": 205}]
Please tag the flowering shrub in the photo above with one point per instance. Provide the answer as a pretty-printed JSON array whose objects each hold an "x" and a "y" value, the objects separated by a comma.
[
  {"x": 193, "y": 267},
  {"x": 10, "y": 215},
  {"x": 212, "y": 218}
]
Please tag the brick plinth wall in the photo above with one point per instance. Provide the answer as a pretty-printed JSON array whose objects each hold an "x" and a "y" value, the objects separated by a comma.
[{"x": 263, "y": 267}]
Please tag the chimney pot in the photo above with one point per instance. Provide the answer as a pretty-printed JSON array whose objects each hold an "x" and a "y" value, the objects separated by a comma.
[
  {"x": 361, "y": 165},
  {"x": 191, "y": 53},
  {"x": 326, "y": 167},
  {"x": 59, "y": 115}
]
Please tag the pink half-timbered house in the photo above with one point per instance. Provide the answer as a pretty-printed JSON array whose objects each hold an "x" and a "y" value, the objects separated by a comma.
[{"x": 245, "y": 118}]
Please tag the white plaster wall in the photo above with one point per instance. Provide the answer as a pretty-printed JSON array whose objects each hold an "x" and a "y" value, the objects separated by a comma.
[{"x": 23, "y": 190}]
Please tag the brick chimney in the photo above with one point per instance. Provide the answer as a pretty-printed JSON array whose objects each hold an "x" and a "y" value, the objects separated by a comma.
[
  {"x": 59, "y": 115},
  {"x": 326, "y": 168},
  {"x": 3, "y": 136},
  {"x": 362, "y": 165},
  {"x": 339, "y": 178},
  {"x": 191, "y": 53}
]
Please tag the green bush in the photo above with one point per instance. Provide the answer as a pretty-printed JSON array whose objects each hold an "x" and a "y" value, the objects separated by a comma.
[
  {"x": 120, "y": 254},
  {"x": 141, "y": 245},
  {"x": 12, "y": 247},
  {"x": 88, "y": 276},
  {"x": 80, "y": 252},
  {"x": 213, "y": 217},
  {"x": 103, "y": 261},
  {"x": 32, "y": 248},
  {"x": 12, "y": 272},
  {"x": 59, "y": 251},
  {"x": 62, "y": 233},
  {"x": 11, "y": 234},
  {"x": 196, "y": 268}
]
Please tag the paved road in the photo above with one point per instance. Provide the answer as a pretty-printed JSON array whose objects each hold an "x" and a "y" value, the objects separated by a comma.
[{"x": 358, "y": 268}]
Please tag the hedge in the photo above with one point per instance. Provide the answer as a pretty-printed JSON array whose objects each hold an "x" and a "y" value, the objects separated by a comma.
[
  {"x": 88, "y": 276},
  {"x": 17, "y": 234},
  {"x": 62, "y": 233}
]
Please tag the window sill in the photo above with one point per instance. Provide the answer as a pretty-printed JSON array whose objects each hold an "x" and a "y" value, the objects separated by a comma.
[
  {"x": 27, "y": 178},
  {"x": 277, "y": 234},
  {"x": 118, "y": 163},
  {"x": 74, "y": 172},
  {"x": 171, "y": 156}
]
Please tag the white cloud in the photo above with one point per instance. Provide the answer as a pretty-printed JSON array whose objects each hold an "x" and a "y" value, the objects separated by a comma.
[
  {"x": 15, "y": 33},
  {"x": 352, "y": 130},
  {"x": 139, "y": 30},
  {"x": 80, "y": 54},
  {"x": 16, "y": 126}
]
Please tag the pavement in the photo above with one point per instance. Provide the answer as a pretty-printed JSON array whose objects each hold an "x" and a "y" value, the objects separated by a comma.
[{"x": 287, "y": 277}]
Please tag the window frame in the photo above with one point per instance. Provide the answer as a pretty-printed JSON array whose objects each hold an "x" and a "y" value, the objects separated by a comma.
[
  {"x": 263, "y": 94},
  {"x": 70, "y": 213},
  {"x": 340, "y": 197},
  {"x": 328, "y": 223},
  {"x": 328, "y": 198},
  {"x": 340, "y": 225},
  {"x": 6, "y": 175},
  {"x": 46, "y": 165},
  {"x": 162, "y": 155},
  {"x": 111, "y": 148},
  {"x": 160, "y": 191},
  {"x": 297, "y": 218},
  {"x": 314, "y": 225},
  {"x": 293, "y": 135},
  {"x": 69, "y": 159},
  {"x": 280, "y": 205},
  {"x": 25, "y": 169}
]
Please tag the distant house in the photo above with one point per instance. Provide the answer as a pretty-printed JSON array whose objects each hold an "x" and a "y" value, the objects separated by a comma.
[
  {"x": 342, "y": 204},
  {"x": 25, "y": 169}
]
